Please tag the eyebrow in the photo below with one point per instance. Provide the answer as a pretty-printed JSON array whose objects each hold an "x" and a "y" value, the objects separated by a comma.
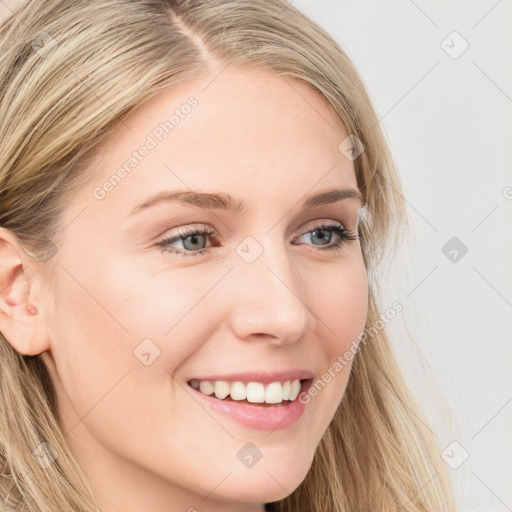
[{"x": 223, "y": 201}]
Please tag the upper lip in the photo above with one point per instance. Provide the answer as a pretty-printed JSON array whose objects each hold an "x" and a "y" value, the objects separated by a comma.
[{"x": 262, "y": 376}]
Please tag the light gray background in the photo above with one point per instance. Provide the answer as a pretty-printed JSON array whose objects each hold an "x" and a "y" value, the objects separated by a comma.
[{"x": 449, "y": 124}]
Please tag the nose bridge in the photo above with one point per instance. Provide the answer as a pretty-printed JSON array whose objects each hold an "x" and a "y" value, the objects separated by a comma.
[{"x": 271, "y": 297}]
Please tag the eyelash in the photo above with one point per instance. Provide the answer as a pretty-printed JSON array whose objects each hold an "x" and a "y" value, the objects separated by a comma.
[{"x": 344, "y": 234}]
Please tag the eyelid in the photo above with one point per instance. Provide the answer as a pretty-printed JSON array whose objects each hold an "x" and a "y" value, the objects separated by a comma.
[
  {"x": 314, "y": 223},
  {"x": 213, "y": 232},
  {"x": 345, "y": 235}
]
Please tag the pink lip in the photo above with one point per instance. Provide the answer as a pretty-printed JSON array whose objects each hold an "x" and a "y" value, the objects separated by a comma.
[
  {"x": 257, "y": 416},
  {"x": 264, "y": 377}
]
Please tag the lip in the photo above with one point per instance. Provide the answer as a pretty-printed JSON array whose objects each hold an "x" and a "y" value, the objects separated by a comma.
[
  {"x": 257, "y": 416},
  {"x": 265, "y": 377}
]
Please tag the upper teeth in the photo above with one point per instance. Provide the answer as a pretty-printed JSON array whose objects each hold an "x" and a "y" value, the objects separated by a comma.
[{"x": 273, "y": 393}]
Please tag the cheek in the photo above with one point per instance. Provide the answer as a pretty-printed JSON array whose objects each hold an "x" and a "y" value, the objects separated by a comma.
[
  {"x": 341, "y": 305},
  {"x": 341, "y": 302},
  {"x": 91, "y": 340}
]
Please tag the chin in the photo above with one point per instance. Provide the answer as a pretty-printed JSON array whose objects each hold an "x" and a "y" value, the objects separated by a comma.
[{"x": 264, "y": 486}]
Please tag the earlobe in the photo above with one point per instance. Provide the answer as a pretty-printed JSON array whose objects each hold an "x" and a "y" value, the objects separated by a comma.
[{"x": 21, "y": 320}]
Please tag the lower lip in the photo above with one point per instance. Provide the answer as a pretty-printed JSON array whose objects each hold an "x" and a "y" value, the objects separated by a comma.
[{"x": 258, "y": 417}]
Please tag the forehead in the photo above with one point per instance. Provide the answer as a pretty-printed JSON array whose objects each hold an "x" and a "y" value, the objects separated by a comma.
[{"x": 243, "y": 130}]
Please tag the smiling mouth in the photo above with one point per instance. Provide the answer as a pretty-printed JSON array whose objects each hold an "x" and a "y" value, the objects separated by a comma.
[{"x": 252, "y": 393}]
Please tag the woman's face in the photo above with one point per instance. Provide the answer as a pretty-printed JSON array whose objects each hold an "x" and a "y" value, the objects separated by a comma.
[{"x": 135, "y": 318}]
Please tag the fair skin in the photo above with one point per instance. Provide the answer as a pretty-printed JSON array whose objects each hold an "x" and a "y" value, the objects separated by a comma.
[{"x": 141, "y": 438}]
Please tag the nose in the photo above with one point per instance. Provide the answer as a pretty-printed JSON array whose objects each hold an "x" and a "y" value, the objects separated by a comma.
[{"x": 269, "y": 297}]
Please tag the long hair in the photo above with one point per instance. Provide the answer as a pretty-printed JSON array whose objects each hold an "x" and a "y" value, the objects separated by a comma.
[{"x": 69, "y": 74}]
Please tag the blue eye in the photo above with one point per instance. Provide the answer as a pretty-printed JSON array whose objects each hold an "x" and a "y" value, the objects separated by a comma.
[
  {"x": 343, "y": 233},
  {"x": 192, "y": 237},
  {"x": 185, "y": 236}
]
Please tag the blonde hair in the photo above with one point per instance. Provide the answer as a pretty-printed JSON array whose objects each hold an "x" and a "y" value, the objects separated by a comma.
[{"x": 69, "y": 73}]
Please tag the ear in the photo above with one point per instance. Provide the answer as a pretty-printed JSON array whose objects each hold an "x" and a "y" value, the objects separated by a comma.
[{"x": 21, "y": 310}]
